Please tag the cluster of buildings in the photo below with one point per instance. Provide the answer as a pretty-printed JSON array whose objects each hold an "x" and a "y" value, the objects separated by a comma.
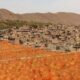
[{"x": 51, "y": 37}]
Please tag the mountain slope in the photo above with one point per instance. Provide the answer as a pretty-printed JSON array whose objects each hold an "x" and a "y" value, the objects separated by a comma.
[
  {"x": 7, "y": 15},
  {"x": 61, "y": 17}
]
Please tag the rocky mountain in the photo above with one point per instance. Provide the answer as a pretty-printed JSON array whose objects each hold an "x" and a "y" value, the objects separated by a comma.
[
  {"x": 7, "y": 15},
  {"x": 61, "y": 17}
]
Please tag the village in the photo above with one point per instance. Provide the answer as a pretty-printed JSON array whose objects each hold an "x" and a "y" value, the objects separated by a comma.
[{"x": 50, "y": 37}]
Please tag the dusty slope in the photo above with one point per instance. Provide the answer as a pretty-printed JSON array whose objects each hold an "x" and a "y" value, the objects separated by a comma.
[
  {"x": 61, "y": 17},
  {"x": 19, "y": 63},
  {"x": 7, "y": 15}
]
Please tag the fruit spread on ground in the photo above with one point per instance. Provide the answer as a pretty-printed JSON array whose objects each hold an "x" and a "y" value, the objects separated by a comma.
[{"x": 18, "y": 62}]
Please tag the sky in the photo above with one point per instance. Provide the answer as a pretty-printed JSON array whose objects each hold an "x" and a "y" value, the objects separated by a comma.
[{"x": 43, "y": 6}]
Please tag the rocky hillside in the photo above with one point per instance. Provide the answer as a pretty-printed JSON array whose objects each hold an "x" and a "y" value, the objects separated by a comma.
[
  {"x": 7, "y": 15},
  {"x": 61, "y": 17}
]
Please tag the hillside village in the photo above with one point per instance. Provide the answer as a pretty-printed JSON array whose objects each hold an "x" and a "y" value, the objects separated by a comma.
[
  {"x": 47, "y": 36},
  {"x": 50, "y": 31}
]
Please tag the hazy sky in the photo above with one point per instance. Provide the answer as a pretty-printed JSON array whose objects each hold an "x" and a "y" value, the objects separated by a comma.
[{"x": 23, "y": 6}]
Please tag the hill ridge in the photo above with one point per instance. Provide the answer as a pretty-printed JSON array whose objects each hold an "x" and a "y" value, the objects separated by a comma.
[{"x": 59, "y": 17}]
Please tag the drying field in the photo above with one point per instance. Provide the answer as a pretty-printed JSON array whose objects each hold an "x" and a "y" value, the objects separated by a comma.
[{"x": 20, "y": 63}]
